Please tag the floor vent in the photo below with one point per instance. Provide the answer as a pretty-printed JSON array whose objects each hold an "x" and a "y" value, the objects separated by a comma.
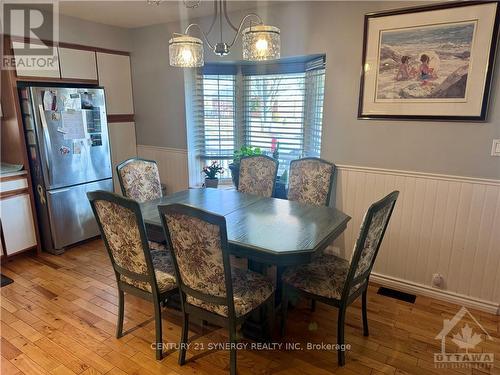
[
  {"x": 396, "y": 294},
  {"x": 6, "y": 280}
]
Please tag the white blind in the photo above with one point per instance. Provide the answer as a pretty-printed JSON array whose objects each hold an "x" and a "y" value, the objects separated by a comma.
[
  {"x": 217, "y": 131},
  {"x": 229, "y": 108},
  {"x": 274, "y": 110},
  {"x": 314, "y": 100}
]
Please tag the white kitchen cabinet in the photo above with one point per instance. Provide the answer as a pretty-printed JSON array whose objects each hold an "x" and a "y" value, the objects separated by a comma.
[
  {"x": 115, "y": 77},
  {"x": 36, "y": 65},
  {"x": 123, "y": 145},
  {"x": 77, "y": 64},
  {"x": 17, "y": 223}
]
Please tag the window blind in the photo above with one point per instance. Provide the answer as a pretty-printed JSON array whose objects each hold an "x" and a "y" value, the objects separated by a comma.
[
  {"x": 217, "y": 138},
  {"x": 314, "y": 100},
  {"x": 274, "y": 112},
  {"x": 229, "y": 106}
]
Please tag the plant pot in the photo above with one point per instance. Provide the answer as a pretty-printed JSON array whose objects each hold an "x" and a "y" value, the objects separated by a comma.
[
  {"x": 235, "y": 174},
  {"x": 211, "y": 182}
]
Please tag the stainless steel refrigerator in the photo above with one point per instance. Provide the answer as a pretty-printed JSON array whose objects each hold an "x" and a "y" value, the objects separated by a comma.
[{"x": 68, "y": 148}]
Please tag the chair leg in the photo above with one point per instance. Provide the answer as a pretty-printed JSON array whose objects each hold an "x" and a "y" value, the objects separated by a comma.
[
  {"x": 159, "y": 338},
  {"x": 232, "y": 352},
  {"x": 184, "y": 339},
  {"x": 313, "y": 305},
  {"x": 121, "y": 312},
  {"x": 270, "y": 317},
  {"x": 340, "y": 335},
  {"x": 284, "y": 309},
  {"x": 365, "y": 313}
]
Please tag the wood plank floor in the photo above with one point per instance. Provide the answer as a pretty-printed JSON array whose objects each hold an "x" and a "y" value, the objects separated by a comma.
[{"x": 59, "y": 315}]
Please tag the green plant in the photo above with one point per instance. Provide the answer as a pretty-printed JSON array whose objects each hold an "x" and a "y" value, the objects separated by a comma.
[
  {"x": 245, "y": 151},
  {"x": 212, "y": 170}
]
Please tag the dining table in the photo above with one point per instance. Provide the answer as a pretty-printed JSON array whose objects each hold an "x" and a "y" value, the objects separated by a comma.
[{"x": 266, "y": 231}]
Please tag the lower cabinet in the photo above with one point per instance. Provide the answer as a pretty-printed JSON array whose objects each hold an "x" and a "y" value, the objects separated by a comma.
[
  {"x": 123, "y": 146},
  {"x": 18, "y": 227}
]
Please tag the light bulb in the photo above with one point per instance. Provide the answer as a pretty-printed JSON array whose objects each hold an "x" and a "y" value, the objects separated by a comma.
[
  {"x": 261, "y": 45},
  {"x": 187, "y": 55}
]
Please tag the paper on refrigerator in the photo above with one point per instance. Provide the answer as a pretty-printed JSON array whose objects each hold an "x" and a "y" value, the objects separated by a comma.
[{"x": 73, "y": 125}]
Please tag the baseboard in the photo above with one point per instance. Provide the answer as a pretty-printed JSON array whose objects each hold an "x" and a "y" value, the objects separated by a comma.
[{"x": 442, "y": 295}]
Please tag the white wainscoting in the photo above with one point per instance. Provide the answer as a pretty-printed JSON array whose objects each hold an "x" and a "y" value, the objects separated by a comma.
[
  {"x": 441, "y": 224},
  {"x": 172, "y": 164}
]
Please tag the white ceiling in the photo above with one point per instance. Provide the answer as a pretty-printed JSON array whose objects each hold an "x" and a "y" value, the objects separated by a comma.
[{"x": 138, "y": 13}]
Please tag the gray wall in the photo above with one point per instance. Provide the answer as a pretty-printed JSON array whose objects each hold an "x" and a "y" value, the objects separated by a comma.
[
  {"x": 78, "y": 31},
  {"x": 74, "y": 30},
  {"x": 334, "y": 28}
]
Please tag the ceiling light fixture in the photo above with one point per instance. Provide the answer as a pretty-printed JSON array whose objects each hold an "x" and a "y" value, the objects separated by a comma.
[{"x": 260, "y": 42}]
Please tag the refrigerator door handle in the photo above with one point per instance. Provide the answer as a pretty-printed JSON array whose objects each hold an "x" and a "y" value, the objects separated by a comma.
[{"x": 47, "y": 147}]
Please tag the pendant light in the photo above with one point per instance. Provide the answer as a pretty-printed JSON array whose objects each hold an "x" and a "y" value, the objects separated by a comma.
[{"x": 260, "y": 42}]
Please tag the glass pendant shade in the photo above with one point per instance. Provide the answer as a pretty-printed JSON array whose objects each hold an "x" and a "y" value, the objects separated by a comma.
[
  {"x": 186, "y": 52},
  {"x": 261, "y": 42}
]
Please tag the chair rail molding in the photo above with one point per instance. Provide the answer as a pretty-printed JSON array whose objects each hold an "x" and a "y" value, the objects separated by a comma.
[{"x": 441, "y": 224}]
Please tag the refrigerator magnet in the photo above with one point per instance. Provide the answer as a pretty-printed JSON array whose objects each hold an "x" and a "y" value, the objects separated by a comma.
[{"x": 64, "y": 150}]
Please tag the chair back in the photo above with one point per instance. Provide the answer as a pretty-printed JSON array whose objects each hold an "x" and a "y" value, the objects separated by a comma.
[
  {"x": 139, "y": 179},
  {"x": 368, "y": 243},
  {"x": 122, "y": 229},
  {"x": 311, "y": 181},
  {"x": 258, "y": 175},
  {"x": 198, "y": 241}
]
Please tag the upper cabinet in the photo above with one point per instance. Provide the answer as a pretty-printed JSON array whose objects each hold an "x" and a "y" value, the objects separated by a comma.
[
  {"x": 115, "y": 76},
  {"x": 77, "y": 64},
  {"x": 38, "y": 67}
]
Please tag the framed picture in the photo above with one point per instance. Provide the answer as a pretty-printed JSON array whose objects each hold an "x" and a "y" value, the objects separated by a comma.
[{"x": 432, "y": 62}]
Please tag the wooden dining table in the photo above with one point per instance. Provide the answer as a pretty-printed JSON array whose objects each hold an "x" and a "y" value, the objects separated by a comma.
[{"x": 266, "y": 231}]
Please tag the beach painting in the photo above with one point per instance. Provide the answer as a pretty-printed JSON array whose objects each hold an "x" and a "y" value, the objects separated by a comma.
[{"x": 425, "y": 63}]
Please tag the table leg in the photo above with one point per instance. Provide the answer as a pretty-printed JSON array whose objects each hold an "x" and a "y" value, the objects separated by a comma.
[{"x": 256, "y": 327}]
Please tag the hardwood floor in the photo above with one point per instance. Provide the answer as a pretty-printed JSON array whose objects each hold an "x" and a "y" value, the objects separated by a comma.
[{"x": 59, "y": 316}]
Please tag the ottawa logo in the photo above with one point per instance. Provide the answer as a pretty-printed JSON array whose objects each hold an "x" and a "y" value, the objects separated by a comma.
[{"x": 463, "y": 333}]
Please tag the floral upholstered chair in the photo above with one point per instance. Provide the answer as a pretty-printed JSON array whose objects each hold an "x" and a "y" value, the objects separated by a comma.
[
  {"x": 210, "y": 289},
  {"x": 258, "y": 175},
  {"x": 147, "y": 274},
  {"x": 311, "y": 181},
  {"x": 139, "y": 179},
  {"x": 336, "y": 281}
]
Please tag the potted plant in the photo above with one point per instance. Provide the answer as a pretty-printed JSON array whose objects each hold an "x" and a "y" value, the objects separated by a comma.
[
  {"x": 235, "y": 165},
  {"x": 211, "y": 171}
]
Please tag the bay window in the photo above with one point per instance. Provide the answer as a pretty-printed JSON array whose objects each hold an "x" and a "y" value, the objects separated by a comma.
[{"x": 260, "y": 105}]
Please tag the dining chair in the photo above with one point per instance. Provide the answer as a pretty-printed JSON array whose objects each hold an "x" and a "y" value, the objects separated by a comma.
[
  {"x": 139, "y": 179},
  {"x": 310, "y": 181},
  {"x": 143, "y": 273},
  {"x": 258, "y": 175},
  {"x": 336, "y": 281},
  {"x": 211, "y": 290}
]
